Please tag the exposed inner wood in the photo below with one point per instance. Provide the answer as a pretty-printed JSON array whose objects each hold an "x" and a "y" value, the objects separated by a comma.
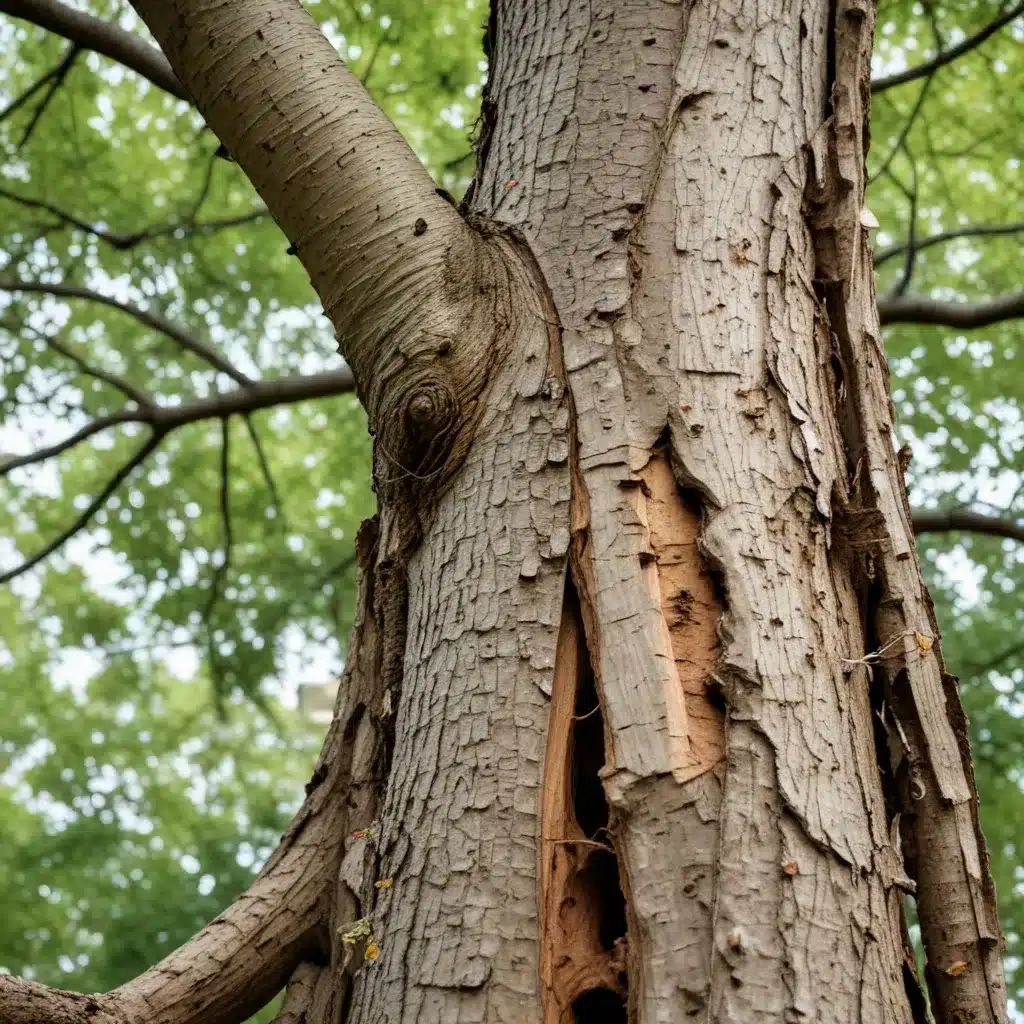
[
  {"x": 582, "y": 910},
  {"x": 690, "y": 611}
]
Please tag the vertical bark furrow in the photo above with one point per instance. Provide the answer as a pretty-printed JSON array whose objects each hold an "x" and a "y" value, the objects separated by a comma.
[{"x": 583, "y": 959}]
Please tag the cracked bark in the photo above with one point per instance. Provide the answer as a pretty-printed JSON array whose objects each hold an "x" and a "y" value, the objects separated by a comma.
[{"x": 612, "y": 735}]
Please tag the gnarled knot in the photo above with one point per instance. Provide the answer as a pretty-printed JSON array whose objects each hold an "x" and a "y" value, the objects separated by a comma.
[
  {"x": 428, "y": 407},
  {"x": 417, "y": 431}
]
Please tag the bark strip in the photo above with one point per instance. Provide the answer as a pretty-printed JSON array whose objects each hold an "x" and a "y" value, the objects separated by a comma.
[{"x": 927, "y": 731}]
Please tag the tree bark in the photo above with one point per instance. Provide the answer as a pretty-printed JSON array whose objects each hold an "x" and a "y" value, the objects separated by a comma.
[{"x": 645, "y": 717}]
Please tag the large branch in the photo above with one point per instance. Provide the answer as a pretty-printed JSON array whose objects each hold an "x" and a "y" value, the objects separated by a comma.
[
  {"x": 947, "y": 56},
  {"x": 914, "y": 309},
  {"x": 361, "y": 212},
  {"x": 944, "y": 521},
  {"x": 92, "y": 33}
]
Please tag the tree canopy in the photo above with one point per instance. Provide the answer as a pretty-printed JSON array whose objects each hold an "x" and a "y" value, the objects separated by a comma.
[{"x": 185, "y": 465}]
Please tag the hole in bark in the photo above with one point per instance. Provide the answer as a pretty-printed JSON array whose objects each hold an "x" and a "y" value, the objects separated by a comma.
[
  {"x": 599, "y": 1006},
  {"x": 583, "y": 910},
  {"x": 588, "y": 758},
  {"x": 716, "y": 695},
  {"x": 599, "y": 881}
]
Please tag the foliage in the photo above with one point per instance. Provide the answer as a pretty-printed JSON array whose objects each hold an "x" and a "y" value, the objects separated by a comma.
[{"x": 164, "y": 601}]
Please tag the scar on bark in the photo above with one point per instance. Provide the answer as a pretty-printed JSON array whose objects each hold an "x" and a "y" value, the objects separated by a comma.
[
  {"x": 583, "y": 911},
  {"x": 691, "y": 608}
]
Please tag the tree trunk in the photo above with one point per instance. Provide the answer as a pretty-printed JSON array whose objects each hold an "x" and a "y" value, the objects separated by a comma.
[{"x": 644, "y": 653}]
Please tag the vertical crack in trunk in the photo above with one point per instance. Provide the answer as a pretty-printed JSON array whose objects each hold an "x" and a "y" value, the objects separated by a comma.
[{"x": 582, "y": 909}]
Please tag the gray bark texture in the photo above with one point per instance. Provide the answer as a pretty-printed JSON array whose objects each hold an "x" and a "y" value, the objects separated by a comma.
[{"x": 644, "y": 717}]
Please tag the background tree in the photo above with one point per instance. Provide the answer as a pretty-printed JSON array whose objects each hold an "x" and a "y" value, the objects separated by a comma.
[{"x": 113, "y": 189}]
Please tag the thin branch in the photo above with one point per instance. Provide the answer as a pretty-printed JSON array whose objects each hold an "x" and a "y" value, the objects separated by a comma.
[
  {"x": 129, "y": 240},
  {"x": 915, "y": 309},
  {"x": 140, "y": 456},
  {"x": 112, "y": 379},
  {"x": 218, "y": 572},
  {"x": 60, "y": 73},
  {"x": 942, "y": 521},
  {"x": 19, "y": 101},
  {"x": 904, "y": 132},
  {"x": 96, "y": 426},
  {"x": 204, "y": 189},
  {"x": 901, "y": 286},
  {"x": 187, "y": 341},
  {"x": 947, "y": 56},
  {"x": 383, "y": 38},
  {"x": 92, "y": 33},
  {"x": 163, "y": 419},
  {"x": 981, "y": 230},
  {"x": 268, "y": 476}
]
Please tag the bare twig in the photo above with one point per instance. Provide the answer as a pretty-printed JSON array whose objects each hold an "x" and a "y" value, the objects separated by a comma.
[
  {"x": 944, "y": 57},
  {"x": 941, "y": 521},
  {"x": 171, "y": 330},
  {"x": 60, "y": 73},
  {"x": 981, "y": 230},
  {"x": 129, "y": 240},
  {"x": 914, "y": 309},
  {"x": 82, "y": 520},
  {"x": 92, "y": 33}
]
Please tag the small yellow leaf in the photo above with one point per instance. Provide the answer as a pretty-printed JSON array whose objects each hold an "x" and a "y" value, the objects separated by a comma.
[
  {"x": 372, "y": 951},
  {"x": 956, "y": 968},
  {"x": 924, "y": 642},
  {"x": 385, "y": 883},
  {"x": 357, "y": 931}
]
